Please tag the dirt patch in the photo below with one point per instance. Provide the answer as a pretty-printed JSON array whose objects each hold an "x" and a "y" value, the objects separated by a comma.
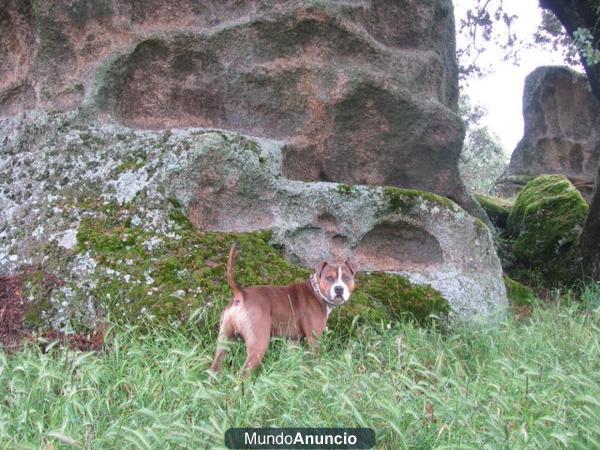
[
  {"x": 13, "y": 307},
  {"x": 12, "y": 310}
]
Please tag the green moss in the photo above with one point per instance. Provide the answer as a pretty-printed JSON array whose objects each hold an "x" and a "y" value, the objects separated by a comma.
[
  {"x": 345, "y": 188},
  {"x": 519, "y": 179},
  {"x": 497, "y": 209},
  {"x": 544, "y": 224},
  {"x": 404, "y": 199},
  {"x": 37, "y": 288},
  {"x": 389, "y": 298},
  {"x": 519, "y": 294},
  {"x": 131, "y": 165},
  {"x": 480, "y": 224},
  {"x": 135, "y": 160},
  {"x": 142, "y": 274},
  {"x": 91, "y": 139},
  {"x": 54, "y": 258},
  {"x": 395, "y": 199}
]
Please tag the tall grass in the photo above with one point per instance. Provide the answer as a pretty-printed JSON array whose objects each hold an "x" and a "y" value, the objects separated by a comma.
[{"x": 531, "y": 383}]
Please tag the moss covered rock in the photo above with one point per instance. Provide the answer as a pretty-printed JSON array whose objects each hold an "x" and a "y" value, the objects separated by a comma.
[
  {"x": 381, "y": 297},
  {"x": 146, "y": 276},
  {"x": 518, "y": 294},
  {"x": 545, "y": 223},
  {"x": 37, "y": 291},
  {"x": 109, "y": 211},
  {"x": 497, "y": 209}
]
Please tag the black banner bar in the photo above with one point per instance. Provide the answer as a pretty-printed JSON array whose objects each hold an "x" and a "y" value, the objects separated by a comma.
[{"x": 300, "y": 438}]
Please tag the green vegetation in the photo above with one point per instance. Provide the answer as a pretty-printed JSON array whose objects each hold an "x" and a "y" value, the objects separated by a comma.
[
  {"x": 37, "y": 288},
  {"x": 519, "y": 294},
  {"x": 404, "y": 199},
  {"x": 590, "y": 296},
  {"x": 520, "y": 179},
  {"x": 497, "y": 209},
  {"x": 528, "y": 383},
  {"x": 384, "y": 298},
  {"x": 482, "y": 159},
  {"x": 544, "y": 225},
  {"x": 143, "y": 275},
  {"x": 345, "y": 188}
]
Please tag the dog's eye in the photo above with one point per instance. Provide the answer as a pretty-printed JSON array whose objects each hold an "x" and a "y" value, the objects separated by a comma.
[
  {"x": 330, "y": 279},
  {"x": 345, "y": 278}
]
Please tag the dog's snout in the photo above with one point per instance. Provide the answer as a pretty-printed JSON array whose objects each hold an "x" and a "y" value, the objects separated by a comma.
[{"x": 339, "y": 290}]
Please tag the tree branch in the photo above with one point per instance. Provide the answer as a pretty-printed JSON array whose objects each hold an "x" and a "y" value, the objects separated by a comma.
[{"x": 574, "y": 14}]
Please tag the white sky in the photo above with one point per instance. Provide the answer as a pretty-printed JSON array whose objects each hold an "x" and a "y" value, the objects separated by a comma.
[{"x": 501, "y": 92}]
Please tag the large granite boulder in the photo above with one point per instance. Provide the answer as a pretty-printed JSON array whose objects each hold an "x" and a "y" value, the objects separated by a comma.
[
  {"x": 121, "y": 122},
  {"x": 562, "y": 132},
  {"x": 101, "y": 208},
  {"x": 360, "y": 91}
]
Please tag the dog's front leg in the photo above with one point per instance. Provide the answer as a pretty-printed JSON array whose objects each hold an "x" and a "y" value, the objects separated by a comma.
[{"x": 313, "y": 339}]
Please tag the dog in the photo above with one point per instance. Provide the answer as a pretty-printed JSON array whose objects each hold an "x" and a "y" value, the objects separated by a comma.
[{"x": 295, "y": 311}]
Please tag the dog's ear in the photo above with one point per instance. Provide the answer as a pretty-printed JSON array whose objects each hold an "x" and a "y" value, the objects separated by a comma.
[
  {"x": 319, "y": 268},
  {"x": 351, "y": 266}
]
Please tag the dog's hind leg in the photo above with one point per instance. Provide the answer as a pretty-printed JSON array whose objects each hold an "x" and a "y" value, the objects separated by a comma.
[
  {"x": 257, "y": 343},
  {"x": 226, "y": 333}
]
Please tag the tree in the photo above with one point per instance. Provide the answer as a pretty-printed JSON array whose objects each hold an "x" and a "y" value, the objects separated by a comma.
[
  {"x": 581, "y": 19},
  {"x": 482, "y": 159},
  {"x": 552, "y": 34},
  {"x": 478, "y": 26}
]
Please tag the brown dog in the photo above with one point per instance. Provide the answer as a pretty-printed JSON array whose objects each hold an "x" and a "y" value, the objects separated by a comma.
[{"x": 294, "y": 311}]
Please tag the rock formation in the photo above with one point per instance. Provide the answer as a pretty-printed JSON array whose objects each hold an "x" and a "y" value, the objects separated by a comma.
[
  {"x": 562, "y": 132},
  {"x": 59, "y": 178},
  {"x": 361, "y": 91},
  {"x": 112, "y": 112}
]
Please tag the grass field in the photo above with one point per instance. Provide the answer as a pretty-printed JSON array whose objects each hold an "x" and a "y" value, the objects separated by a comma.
[{"x": 529, "y": 383}]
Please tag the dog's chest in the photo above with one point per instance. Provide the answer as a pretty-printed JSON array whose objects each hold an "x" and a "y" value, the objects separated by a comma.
[{"x": 295, "y": 317}]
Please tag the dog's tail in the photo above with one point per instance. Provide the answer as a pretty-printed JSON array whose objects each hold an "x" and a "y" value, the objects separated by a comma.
[{"x": 235, "y": 287}]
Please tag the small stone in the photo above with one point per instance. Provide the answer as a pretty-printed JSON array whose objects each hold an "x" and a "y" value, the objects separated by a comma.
[
  {"x": 179, "y": 294},
  {"x": 68, "y": 239}
]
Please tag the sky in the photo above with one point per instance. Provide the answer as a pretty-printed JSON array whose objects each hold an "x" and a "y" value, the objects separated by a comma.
[{"x": 501, "y": 92}]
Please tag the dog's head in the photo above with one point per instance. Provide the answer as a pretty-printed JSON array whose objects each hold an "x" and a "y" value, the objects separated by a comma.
[{"x": 336, "y": 281}]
